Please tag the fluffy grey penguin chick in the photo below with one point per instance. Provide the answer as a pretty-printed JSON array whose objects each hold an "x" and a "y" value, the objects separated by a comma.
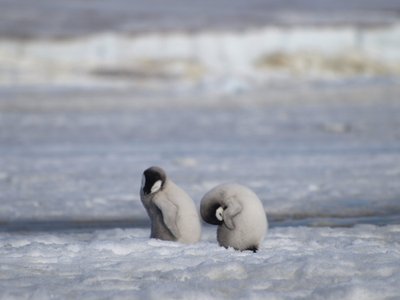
[
  {"x": 239, "y": 214},
  {"x": 172, "y": 212}
]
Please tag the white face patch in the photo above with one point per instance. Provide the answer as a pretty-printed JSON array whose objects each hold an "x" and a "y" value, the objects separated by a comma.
[
  {"x": 219, "y": 213},
  {"x": 156, "y": 186}
]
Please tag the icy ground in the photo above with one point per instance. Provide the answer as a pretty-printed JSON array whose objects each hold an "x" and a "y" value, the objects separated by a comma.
[
  {"x": 313, "y": 150},
  {"x": 317, "y": 154},
  {"x": 298, "y": 100},
  {"x": 63, "y": 18},
  {"x": 244, "y": 41},
  {"x": 295, "y": 263}
]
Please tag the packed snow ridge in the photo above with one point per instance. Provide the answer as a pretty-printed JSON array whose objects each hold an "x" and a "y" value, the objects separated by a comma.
[{"x": 253, "y": 53}]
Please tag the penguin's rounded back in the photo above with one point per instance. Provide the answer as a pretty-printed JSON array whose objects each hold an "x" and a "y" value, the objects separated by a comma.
[{"x": 239, "y": 214}]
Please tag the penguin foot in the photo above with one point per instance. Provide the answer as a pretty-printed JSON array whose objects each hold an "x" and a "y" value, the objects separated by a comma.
[{"x": 252, "y": 248}]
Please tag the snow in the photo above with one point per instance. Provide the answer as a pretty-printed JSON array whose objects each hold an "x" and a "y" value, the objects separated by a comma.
[
  {"x": 295, "y": 262},
  {"x": 72, "y": 224},
  {"x": 65, "y": 19},
  {"x": 81, "y": 155},
  {"x": 248, "y": 56},
  {"x": 305, "y": 114}
]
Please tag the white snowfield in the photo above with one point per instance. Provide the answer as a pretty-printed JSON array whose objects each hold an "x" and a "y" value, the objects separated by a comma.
[
  {"x": 329, "y": 151},
  {"x": 307, "y": 115},
  {"x": 253, "y": 55},
  {"x": 294, "y": 263},
  {"x": 72, "y": 224}
]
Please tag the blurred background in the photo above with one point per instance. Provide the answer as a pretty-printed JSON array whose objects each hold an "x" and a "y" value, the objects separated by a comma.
[{"x": 299, "y": 100}]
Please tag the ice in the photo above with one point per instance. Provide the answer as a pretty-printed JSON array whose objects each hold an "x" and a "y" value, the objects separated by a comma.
[
  {"x": 317, "y": 154},
  {"x": 298, "y": 101},
  {"x": 65, "y": 19},
  {"x": 233, "y": 59},
  {"x": 80, "y": 156},
  {"x": 295, "y": 262}
]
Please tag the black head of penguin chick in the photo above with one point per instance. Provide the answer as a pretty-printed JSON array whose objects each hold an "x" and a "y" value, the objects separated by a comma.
[{"x": 153, "y": 180}]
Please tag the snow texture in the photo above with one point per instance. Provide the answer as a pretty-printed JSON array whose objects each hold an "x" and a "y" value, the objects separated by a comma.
[
  {"x": 65, "y": 19},
  {"x": 307, "y": 263},
  {"x": 92, "y": 94},
  {"x": 316, "y": 151},
  {"x": 71, "y": 165},
  {"x": 252, "y": 56}
]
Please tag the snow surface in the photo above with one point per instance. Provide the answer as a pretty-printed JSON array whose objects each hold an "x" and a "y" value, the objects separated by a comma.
[
  {"x": 319, "y": 151},
  {"x": 250, "y": 56},
  {"x": 86, "y": 106},
  {"x": 64, "y": 19},
  {"x": 319, "y": 154},
  {"x": 294, "y": 263}
]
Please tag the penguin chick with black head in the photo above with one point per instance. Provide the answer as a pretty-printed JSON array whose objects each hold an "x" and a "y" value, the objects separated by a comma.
[
  {"x": 172, "y": 212},
  {"x": 239, "y": 214}
]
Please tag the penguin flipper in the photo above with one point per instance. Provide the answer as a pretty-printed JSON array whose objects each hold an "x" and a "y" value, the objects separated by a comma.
[
  {"x": 170, "y": 214},
  {"x": 232, "y": 210}
]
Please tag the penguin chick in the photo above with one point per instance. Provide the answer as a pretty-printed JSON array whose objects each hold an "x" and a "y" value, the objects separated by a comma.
[
  {"x": 239, "y": 214},
  {"x": 172, "y": 213}
]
